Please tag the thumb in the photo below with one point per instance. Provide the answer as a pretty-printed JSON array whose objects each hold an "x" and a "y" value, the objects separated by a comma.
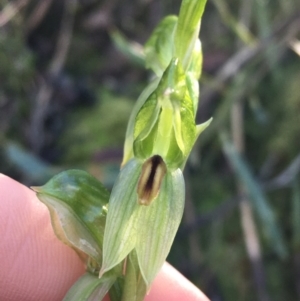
[{"x": 35, "y": 265}]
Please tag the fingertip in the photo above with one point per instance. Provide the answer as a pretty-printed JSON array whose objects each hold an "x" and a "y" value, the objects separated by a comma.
[
  {"x": 37, "y": 265},
  {"x": 171, "y": 285}
]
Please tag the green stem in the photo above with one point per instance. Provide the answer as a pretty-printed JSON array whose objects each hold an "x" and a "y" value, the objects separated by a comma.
[{"x": 130, "y": 283}]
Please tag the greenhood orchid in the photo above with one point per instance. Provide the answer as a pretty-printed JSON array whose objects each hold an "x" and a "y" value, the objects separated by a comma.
[{"x": 125, "y": 237}]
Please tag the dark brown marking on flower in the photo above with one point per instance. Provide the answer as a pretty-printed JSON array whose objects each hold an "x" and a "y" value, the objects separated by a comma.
[{"x": 153, "y": 172}]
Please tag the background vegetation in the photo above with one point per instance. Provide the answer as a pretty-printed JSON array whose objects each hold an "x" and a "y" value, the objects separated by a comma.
[{"x": 70, "y": 72}]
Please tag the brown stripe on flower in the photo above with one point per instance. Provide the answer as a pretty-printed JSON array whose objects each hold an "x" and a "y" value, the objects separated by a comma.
[{"x": 153, "y": 172}]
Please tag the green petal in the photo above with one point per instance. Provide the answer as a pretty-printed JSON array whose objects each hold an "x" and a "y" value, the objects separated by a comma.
[
  {"x": 128, "y": 146},
  {"x": 76, "y": 202},
  {"x": 146, "y": 117},
  {"x": 89, "y": 288},
  {"x": 120, "y": 230},
  {"x": 158, "y": 224}
]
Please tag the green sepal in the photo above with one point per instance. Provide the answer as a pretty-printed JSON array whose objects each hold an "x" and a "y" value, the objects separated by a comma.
[
  {"x": 195, "y": 66},
  {"x": 89, "y": 288},
  {"x": 159, "y": 48},
  {"x": 193, "y": 74},
  {"x": 120, "y": 230},
  {"x": 76, "y": 202},
  {"x": 201, "y": 127},
  {"x": 150, "y": 230},
  {"x": 158, "y": 224},
  {"x": 165, "y": 123},
  {"x": 192, "y": 85},
  {"x": 187, "y": 29}
]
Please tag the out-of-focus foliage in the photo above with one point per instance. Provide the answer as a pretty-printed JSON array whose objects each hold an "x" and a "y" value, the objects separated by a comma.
[{"x": 68, "y": 81}]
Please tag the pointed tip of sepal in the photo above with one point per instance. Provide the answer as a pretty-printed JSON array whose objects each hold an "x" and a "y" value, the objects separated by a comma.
[{"x": 201, "y": 127}]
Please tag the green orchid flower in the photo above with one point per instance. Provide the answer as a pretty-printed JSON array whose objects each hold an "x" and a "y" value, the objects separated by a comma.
[
  {"x": 147, "y": 201},
  {"x": 125, "y": 237}
]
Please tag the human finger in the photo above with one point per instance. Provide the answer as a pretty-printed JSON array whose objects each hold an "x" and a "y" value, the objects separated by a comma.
[{"x": 35, "y": 265}]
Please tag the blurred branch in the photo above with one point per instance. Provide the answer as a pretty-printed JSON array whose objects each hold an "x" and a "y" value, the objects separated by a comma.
[
  {"x": 101, "y": 18},
  {"x": 259, "y": 201},
  {"x": 247, "y": 219},
  {"x": 281, "y": 34},
  {"x": 238, "y": 27},
  {"x": 245, "y": 81},
  {"x": 38, "y": 14},
  {"x": 45, "y": 92},
  {"x": 226, "y": 207},
  {"x": 64, "y": 39},
  {"x": 243, "y": 84},
  {"x": 250, "y": 233},
  {"x": 10, "y": 10},
  {"x": 245, "y": 13}
]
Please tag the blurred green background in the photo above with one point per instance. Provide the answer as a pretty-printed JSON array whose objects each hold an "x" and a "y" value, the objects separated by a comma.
[{"x": 70, "y": 72}]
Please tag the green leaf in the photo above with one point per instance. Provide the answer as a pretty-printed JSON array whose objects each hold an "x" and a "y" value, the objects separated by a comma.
[
  {"x": 28, "y": 164},
  {"x": 131, "y": 50},
  {"x": 159, "y": 48},
  {"x": 158, "y": 224},
  {"x": 187, "y": 30},
  {"x": 120, "y": 230},
  {"x": 89, "y": 288},
  {"x": 76, "y": 202}
]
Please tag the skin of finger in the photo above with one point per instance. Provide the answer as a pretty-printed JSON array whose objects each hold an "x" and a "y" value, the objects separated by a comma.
[
  {"x": 35, "y": 265},
  {"x": 171, "y": 285}
]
